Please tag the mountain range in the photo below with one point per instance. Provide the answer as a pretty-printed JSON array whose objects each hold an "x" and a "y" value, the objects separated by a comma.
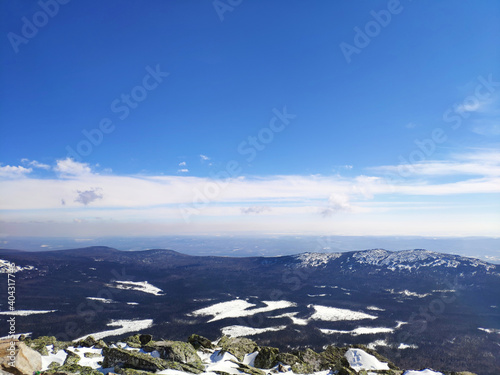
[{"x": 417, "y": 307}]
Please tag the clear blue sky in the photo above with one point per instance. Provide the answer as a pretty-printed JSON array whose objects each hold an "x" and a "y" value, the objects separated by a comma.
[{"x": 431, "y": 69}]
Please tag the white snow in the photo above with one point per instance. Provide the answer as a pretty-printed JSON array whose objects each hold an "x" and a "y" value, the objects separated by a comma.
[
  {"x": 239, "y": 308},
  {"x": 490, "y": 330},
  {"x": 361, "y": 360},
  {"x": 406, "y": 346},
  {"x": 422, "y": 372},
  {"x": 249, "y": 359},
  {"x": 141, "y": 286},
  {"x": 335, "y": 314},
  {"x": 376, "y": 343},
  {"x": 26, "y": 312},
  {"x": 375, "y": 308},
  {"x": 239, "y": 331},
  {"x": 103, "y": 300},
  {"x": 125, "y": 327},
  {"x": 298, "y": 321},
  {"x": 6, "y": 267},
  {"x": 132, "y": 303},
  {"x": 316, "y": 259},
  {"x": 360, "y": 331}
]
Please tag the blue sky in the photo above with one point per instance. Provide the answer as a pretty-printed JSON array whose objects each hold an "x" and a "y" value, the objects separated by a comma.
[{"x": 356, "y": 118}]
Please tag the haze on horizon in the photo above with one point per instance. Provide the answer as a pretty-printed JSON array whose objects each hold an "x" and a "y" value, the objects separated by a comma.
[{"x": 369, "y": 118}]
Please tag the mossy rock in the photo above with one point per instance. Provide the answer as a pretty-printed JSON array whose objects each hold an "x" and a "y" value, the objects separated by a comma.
[
  {"x": 302, "y": 368},
  {"x": 100, "y": 345},
  {"x": 91, "y": 355},
  {"x": 248, "y": 369},
  {"x": 176, "y": 351},
  {"x": 313, "y": 360},
  {"x": 237, "y": 346},
  {"x": 334, "y": 357},
  {"x": 131, "y": 371},
  {"x": 87, "y": 342},
  {"x": 287, "y": 359},
  {"x": 133, "y": 341},
  {"x": 73, "y": 369},
  {"x": 135, "y": 360},
  {"x": 54, "y": 364},
  {"x": 40, "y": 344},
  {"x": 71, "y": 358},
  {"x": 200, "y": 342},
  {"x": 266, "y": 358}
]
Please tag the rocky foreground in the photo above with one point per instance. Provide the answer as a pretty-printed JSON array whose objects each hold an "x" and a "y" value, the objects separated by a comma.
[{"x": 140, "y": 354}]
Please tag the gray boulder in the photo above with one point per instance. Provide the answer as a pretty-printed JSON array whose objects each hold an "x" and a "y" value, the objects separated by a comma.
[
  {"x": 237, "y": 346},
  {"x": 176, "y": 351}
]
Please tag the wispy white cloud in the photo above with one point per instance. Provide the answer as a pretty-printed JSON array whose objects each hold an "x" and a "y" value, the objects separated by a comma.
[
  {"x": 280, "y": 201},
  {"x": 183, "y": 170},
  {"x": 182, "y": 164},
  {"x": 204, "y": 157},
  {"x": 35, "y": 164},
  {"x": 69, "y": 167},
  {"x": 9, "y": 171}
]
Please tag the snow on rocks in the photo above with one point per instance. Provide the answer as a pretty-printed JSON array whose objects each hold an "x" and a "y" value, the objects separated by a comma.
[
  {"x": 140, "y": 286},
  {"x": 422, "y": 372},
  {"x": 360, "y": 360}
]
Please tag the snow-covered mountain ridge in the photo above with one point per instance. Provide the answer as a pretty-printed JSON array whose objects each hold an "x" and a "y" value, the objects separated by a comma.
[{"x": 393, "y": 260}]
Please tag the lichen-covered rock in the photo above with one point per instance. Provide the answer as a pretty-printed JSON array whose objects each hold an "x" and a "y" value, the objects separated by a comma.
[
  {"x": 130, "y": 371},
  {"x": 100, "y": 345},
  {"x": 126, "y": 358},
  {"x": 249, "y": 369},
  {"x": 72, "y": 369},
  {"x": 237, "y": 346},
  {"x": 312, "y": 360},
  {"x": 266, "y": 358},
  {"x": 40, "y": 344},
  {"x": 176, "y": 351},
  {"x": 91, "y": 355},
  {"x": 87, "y": 342},
  {"x": 200, "y": 342},
  {"x": 134, "y": 341},
  {"x": 335, "y": 358},
  {"x": 287, "y": 359},
  {"x": 71, "y": 358},
  {"x": 19, "y": 359}
]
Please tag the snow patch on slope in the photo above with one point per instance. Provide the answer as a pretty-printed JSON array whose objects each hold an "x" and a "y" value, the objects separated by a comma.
[
  {"x": 334, "y": 314},
  {"x": 239, "y": 308}
]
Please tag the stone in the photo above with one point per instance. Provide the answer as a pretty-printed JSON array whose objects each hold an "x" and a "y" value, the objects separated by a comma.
[
  {"x": 26, "y": 360},
  {"x": 266, "y": 358},
  {"x": 135, "y": 360},
  {"x": 200, "y": 342},
  {"x": 71, "y": 358},
  {"x": 249, "y": 369},
  {"x": 176, "y": 351},
  {"x": 237, "y": 346}
]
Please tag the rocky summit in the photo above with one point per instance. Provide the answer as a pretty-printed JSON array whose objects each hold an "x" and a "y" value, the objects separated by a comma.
[{"x": 141, "y": 354}]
